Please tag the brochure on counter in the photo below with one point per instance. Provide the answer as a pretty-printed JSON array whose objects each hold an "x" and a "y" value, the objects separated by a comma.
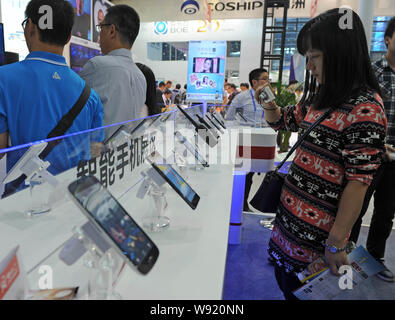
[{"x": 327, "y": 286}]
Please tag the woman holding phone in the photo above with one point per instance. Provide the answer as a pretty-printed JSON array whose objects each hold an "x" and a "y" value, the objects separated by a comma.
[{"x": 332, "y": 168}]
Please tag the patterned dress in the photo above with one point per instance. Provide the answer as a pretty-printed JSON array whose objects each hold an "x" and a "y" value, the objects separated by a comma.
[{"x": 345, "y": 147}]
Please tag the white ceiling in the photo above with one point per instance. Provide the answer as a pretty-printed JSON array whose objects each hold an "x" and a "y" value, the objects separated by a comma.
[{"x": 170, "y": 10}]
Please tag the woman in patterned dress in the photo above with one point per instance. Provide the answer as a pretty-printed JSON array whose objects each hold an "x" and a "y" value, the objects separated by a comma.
[{"x": 333, "y": 167}]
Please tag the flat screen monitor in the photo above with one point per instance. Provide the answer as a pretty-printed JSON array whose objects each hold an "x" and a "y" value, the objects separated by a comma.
[
  {"x": 2, "y": 50},
  {"x": 79, "y": 55}
]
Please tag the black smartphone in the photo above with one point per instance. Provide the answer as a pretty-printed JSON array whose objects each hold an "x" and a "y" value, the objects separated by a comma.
[
  {"x": 136, "y": 128},
  {"x": 192, "y": 149},
  {"x": 114, "y": 223},
  {"x": 205, "y": 133},
  {"x": 214, "y": 124},
  {"x": 111, "y": 138},
  {"x": 214, "y": 114},
  {"x": 172, "y": 177},
  {"x": 241, "y": 116}
]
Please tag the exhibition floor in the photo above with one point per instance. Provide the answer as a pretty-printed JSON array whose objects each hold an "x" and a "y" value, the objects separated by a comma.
[{"x": 249, "y": 276}]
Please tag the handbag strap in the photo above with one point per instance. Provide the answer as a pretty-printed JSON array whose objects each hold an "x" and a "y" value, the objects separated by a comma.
[
  {"x": 66, "y": 122},
  {"x": 298, "y": 143},
  {"x": 60, "y": 129}
]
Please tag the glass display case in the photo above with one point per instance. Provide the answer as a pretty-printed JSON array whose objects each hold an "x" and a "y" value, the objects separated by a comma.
[{"x": 42, "y": 213}]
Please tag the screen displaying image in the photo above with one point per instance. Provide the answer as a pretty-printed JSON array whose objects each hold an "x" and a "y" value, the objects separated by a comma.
[
  {"x": 79, "y": 55},
  {"x": 82, "y": 23},
  {"x": 99, "y": 12},
  {"x": 1, "y": 44},
  {"x": 177, "y": 181},
  {"x": 206, "y": 71},
  {"x": 206, "y": 65},
  {"x": 113, "y": 219}
]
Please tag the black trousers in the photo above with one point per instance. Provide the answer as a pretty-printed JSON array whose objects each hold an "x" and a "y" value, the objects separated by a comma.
[
  {"x": 383, "y": 188},
  {"x": 247, "y": 188},
  {"x": 287, "y": 282}
]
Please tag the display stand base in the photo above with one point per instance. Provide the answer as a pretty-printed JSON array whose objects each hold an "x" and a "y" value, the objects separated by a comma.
[
  {"x": 37, "y": 206},
  {"x": 104, "y": 262},
  {"x": 155, "y": 225},
  {"x": 267, "y": 223}
]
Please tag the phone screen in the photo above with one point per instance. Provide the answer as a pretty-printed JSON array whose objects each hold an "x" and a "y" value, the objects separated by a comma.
[
  {"x": 191, "y": 149},
  {"x": 178, "y": 184},
  {"x": 115, "y": 221}
]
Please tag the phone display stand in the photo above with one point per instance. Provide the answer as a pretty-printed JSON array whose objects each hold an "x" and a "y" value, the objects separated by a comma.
[
  {"x": 37, "y": 175},
  {"x": 181, "y": 163},
  {"x": 154, "y": 186},
  {"x": 105, "y": 264},
  {"x": 197, "y": 166}
]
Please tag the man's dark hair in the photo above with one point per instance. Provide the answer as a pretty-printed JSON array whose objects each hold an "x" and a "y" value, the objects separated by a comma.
[
  {"x": 389, "y": 31},
  {"x": 244, "y": 84},
  {"x": 232, "y": 85},
  {"x": 255, "y": 74},
  {"x": 126, "y": 21},
  {"x": 167, "y": 91},
  {"x": 62, "y": 19},
  {"x": 161, "y": 84},
  {"x": 347, "y": 68},
  {"x": 178, "y": 86},
  {"x": 185, "y": 86},
  {"x": 168, "y": 81}
]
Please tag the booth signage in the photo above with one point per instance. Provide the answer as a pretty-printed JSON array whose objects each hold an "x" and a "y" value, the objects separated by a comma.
[
  {"x": 113, "y": 162},
  {"x": 192, "y": 7}
]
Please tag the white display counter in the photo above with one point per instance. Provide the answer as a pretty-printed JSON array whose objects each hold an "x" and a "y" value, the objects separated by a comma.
[{"x": 193, "y": 248}]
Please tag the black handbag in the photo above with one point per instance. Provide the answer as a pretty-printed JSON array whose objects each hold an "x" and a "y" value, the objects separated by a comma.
[{"x": 267, "y": 198}]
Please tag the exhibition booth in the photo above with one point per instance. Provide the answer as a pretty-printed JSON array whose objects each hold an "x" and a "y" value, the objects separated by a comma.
[
  {"x": 170, "y": 239},
  {"x": 144, "y": 209}
]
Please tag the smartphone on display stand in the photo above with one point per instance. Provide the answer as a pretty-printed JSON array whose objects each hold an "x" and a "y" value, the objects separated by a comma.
[
  {"x": 217, "y": 118},
  {"x": 114, "y": 223},
  {"x": 241, "y": 116},
  {"x": 204, "y": 132},
  {"x": 214, "y": 124},
  {"x": 191, "y": 149},
  {"x": 171, "y": 176}
]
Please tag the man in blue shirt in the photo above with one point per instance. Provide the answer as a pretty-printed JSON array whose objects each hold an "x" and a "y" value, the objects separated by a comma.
[{"x": 38, "y": 91}]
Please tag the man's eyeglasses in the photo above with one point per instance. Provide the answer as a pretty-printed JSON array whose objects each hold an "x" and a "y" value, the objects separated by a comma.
[
  {"x": 263, "y": 79},
  {"x": 99, "y": 26},
  {"x": 24, "y": 22}
]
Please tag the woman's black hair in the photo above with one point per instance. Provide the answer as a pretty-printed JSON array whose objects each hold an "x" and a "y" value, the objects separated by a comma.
[
  {"x": 150, "y": 99},
  {"x": 347, "y": 67}
]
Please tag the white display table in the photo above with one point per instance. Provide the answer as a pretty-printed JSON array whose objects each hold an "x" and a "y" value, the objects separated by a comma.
[{"x": 193, "y": 249}]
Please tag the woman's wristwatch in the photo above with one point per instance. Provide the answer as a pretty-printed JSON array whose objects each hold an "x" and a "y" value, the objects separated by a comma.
[{"x": 334, "y": 249}]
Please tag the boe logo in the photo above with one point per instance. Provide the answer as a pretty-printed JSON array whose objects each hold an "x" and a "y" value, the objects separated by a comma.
[
  {"x": 161, "y": 27},
  {"x": 190, "y": 7}
]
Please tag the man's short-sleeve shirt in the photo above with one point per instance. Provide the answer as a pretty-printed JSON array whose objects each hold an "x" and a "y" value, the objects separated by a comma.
[{"x": 34, "y": 95}]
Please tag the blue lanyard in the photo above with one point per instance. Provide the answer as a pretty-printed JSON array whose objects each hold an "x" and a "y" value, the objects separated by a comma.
[{"x": 253, "y": 102}]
